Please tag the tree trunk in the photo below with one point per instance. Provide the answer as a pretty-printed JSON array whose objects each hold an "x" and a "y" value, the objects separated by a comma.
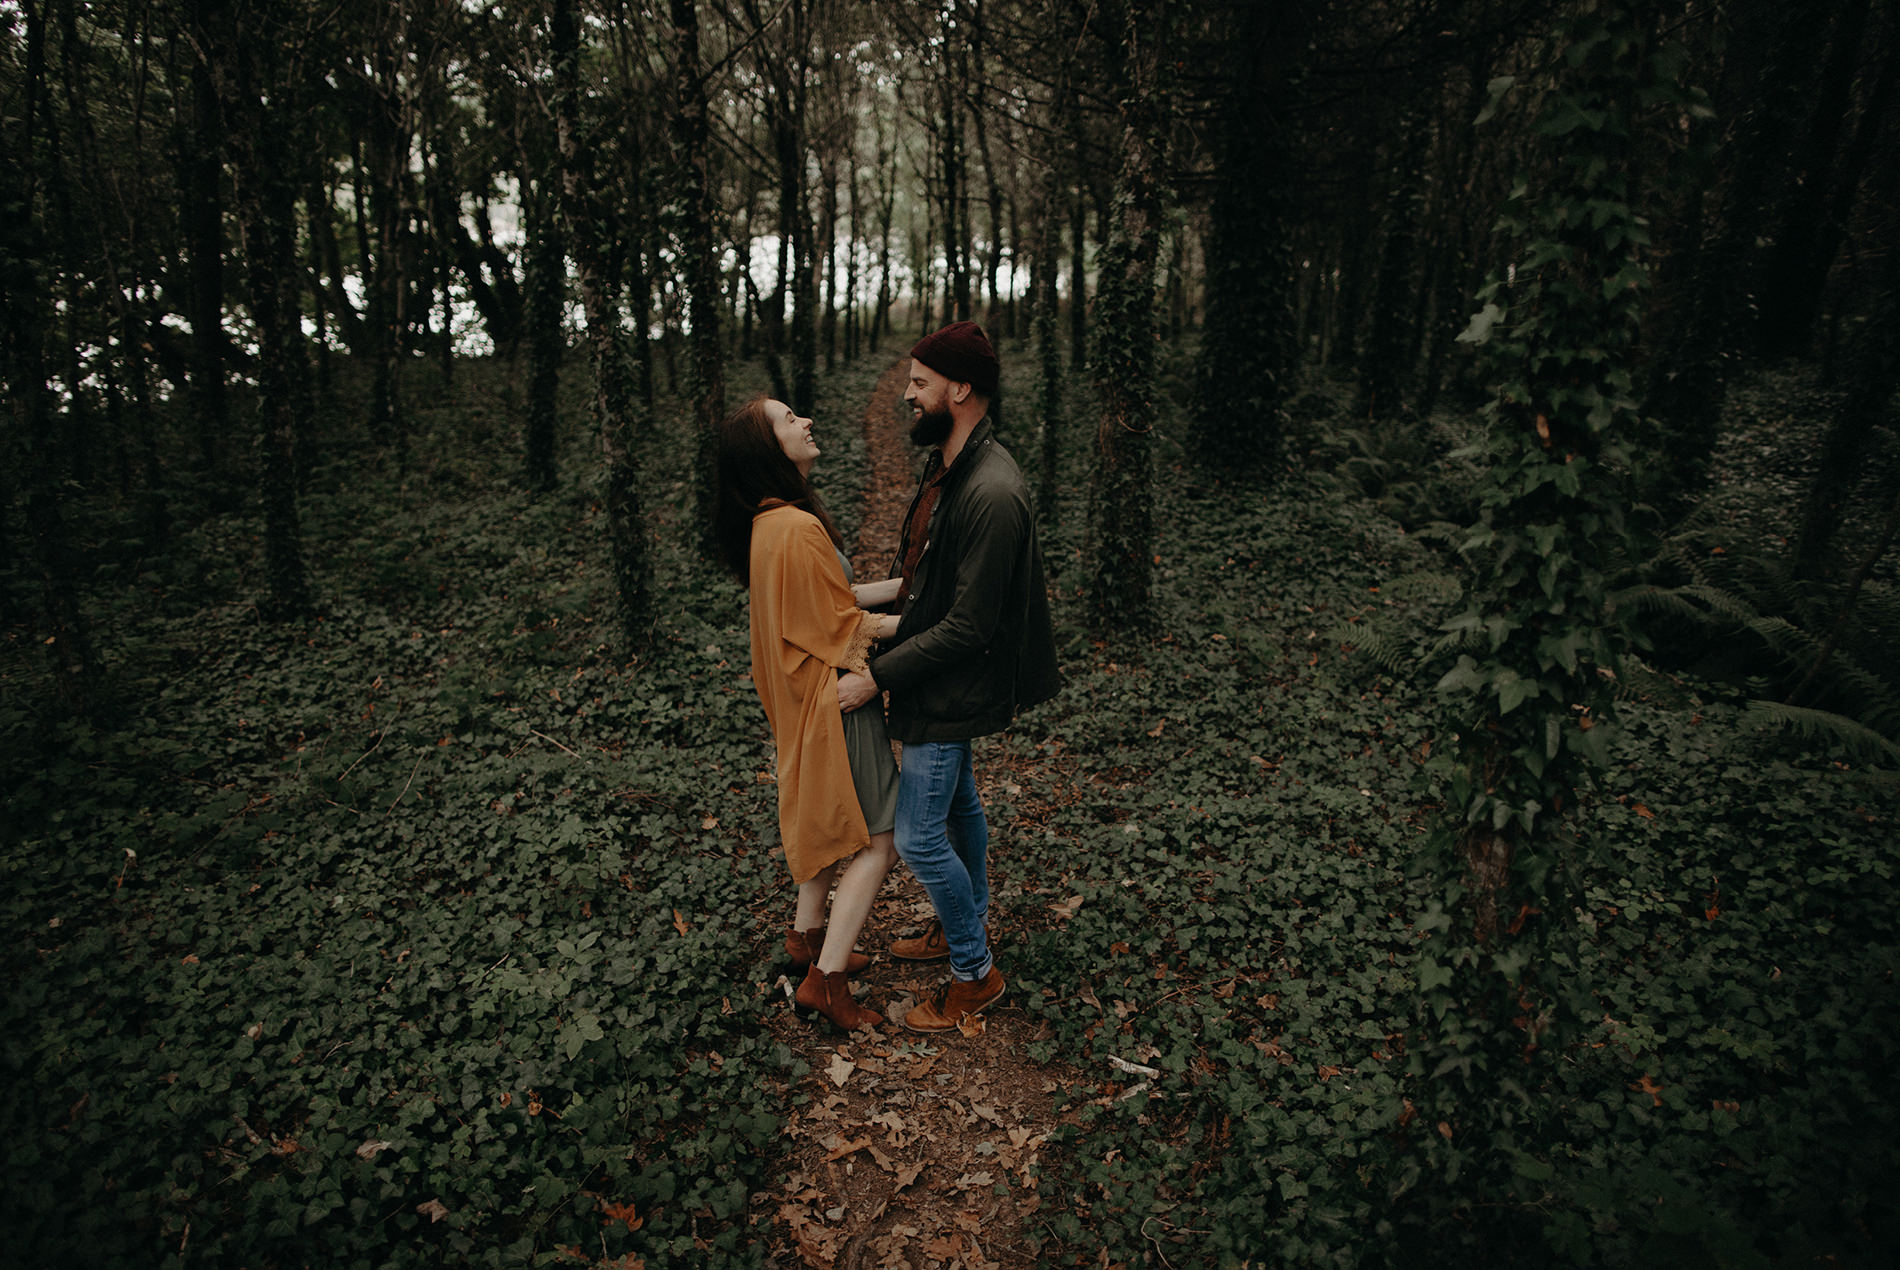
[
  {"x": 1795, "y": 269},
  {"x": 388, "y": 288},
  {"x": 24, "y": 264},
  {"x": 853, "y": 314},
  {"x": 1873, "y": 377},
  {"x": 263, "y": 140},
  {"x": 203, "y": 215},
  {"x": 588, "y": 238},
  {"x": 547, "y": 342},
  {"x": 887, "y": 214},
  {"x": 707, "y": 385},
  {"x": 1042, "y": 286},
  {"x": 1385, "y": 369},
  {"x": 828, "y": 241},
  {"x": 1120, "y": 594},
  {"x": 1248, "y": 350}
]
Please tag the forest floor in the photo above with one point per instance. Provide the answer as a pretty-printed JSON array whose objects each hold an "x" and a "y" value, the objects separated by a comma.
[
  {"x": 444, "y": 926},
  {"x": 902, "y": 1139}
]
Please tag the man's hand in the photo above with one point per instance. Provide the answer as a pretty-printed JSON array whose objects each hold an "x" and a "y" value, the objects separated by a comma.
[
  {"x": 856, "y": 689},
  {"x": 873, "y": 595}
]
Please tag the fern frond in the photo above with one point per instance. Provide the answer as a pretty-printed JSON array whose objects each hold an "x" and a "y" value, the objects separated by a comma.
[
  {"x": 1444, "y": 531},
  {"x": 1425, "y": 587},
  {"x": 1876, "y": 702},
  {"x": 1786, "y": 640},
  {"x": 1731, "y": 609},
  {"x": 1390, "y": 651},
  {"x": 1824, "y": 726}
]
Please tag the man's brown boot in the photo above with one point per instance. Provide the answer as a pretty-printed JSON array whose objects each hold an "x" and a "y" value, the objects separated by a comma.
[
  {"x": 830, "y": 995},
  {"x": 944, "y": 1009},
  {"x": 803, "y": 947},
  {"x": 929, "y": 946}
]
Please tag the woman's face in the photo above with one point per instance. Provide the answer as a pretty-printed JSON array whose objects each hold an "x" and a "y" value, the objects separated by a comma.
[{"x": 794, "y": 436}]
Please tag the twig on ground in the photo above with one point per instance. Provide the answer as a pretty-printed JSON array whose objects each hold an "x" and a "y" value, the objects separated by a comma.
[
  {"x": 406, "y": 784},
  {"x": 556, "y": 744},
  {"x": 365, "y": 754}
]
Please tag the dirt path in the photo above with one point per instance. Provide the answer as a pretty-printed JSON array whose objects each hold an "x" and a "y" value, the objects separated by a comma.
[{"x": 910, "y": 1150}]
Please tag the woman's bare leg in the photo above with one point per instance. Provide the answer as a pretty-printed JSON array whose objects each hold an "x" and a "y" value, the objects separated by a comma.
[
  {"x": 811, "y": 898},
  {"x": 857, "y": 889}
]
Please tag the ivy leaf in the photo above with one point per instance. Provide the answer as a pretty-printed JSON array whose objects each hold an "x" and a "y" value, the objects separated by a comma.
[
  {"x": 1499, "y": 87},
  {"x": 1513, "y": 690},
  {"x": 1479, "y": 329},
  {"x": 1463, "y": 677}
]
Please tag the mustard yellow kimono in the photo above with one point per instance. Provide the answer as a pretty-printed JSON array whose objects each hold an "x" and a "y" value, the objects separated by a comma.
[{"x": 805, "y": 628}]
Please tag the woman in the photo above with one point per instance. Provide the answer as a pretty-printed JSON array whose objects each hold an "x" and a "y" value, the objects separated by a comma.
[{"x": 837, "y": 781}]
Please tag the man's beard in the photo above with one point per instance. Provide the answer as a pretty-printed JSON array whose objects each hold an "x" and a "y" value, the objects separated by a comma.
[{"x": 932, "y": 427}]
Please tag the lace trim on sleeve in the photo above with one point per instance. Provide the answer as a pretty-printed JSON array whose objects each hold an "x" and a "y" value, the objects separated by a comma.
[{"x": 857, "y": 652}]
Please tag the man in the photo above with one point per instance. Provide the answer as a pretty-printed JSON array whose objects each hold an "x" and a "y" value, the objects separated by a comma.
[{"x": 973, "y": 645}]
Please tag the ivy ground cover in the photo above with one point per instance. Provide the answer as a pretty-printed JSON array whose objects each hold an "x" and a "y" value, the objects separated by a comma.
[{"x": 430, "y": 931}]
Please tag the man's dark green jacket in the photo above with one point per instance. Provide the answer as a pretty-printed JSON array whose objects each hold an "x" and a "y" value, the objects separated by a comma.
[{"x": 974, "y": 643}]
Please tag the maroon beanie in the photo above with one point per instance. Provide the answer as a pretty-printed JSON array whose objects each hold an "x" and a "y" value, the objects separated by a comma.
[{"x": 961, "y": 353}]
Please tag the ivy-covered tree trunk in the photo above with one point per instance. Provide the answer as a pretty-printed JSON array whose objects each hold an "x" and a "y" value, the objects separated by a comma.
[
  {"x": 1042, "y": 289},
  {"x": 388, "y": 154},
  {"x": 1528, "y": 699},
  {"x": 1247, "y": 352},
  {"x": 1121, "y": 495},
  {"x": 262, "y": 107},
  {"x": 692, "y": 143},
  {"x": 545, "y": 306},
  {"x": 612, "y": 394}
]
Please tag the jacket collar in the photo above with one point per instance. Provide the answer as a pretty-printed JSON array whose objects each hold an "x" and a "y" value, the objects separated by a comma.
[{"x": 972, "y": 447}]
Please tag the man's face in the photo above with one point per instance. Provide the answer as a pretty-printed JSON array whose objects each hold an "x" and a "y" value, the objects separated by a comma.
[{"x": 928, "y": 395}]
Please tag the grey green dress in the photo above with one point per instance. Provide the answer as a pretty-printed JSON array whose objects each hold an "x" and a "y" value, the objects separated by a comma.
[{"x": 868, "y": 747}]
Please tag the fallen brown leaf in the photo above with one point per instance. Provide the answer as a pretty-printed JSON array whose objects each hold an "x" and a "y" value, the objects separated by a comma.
[{"x": 840, "y": 1069}]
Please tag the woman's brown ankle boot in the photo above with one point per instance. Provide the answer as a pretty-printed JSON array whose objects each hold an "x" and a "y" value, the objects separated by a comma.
[
  {"x": 830, "y": 995},
  {"x": 803, "y": 947}
]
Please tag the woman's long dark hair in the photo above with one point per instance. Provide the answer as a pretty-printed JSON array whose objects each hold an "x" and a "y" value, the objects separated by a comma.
[{"x": 752, "y": 468}]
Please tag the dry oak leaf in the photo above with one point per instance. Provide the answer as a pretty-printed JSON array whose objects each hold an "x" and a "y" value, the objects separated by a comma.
[
  {"x": 611, "y": 1213},
  {"x": 1648, "y": 1086},
  {"x": 846, "y": 1148},
  {"x": 971, "y": 1025},
  {"x": 433, "y": 1210},
  {"x": 372, "y": 1148},
  {"x": 679, "y": 922},
  {"x": 840, "y": 1069}
]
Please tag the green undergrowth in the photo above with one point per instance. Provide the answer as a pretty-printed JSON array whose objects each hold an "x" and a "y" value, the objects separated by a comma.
[
  {"x": 438, "y": 929},
  {"x": 426, "y": 931},
  {"x": 1250, "y": 798}
]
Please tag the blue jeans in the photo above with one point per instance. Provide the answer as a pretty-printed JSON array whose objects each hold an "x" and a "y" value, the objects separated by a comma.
[{"x": 943, "y": 837}]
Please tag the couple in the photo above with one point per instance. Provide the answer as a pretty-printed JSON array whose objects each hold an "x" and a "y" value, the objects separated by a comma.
[{"x": 958, "y": 635}]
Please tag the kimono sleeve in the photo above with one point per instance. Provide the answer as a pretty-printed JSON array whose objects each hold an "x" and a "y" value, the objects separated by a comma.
[{"x": 817, "y": 612}]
